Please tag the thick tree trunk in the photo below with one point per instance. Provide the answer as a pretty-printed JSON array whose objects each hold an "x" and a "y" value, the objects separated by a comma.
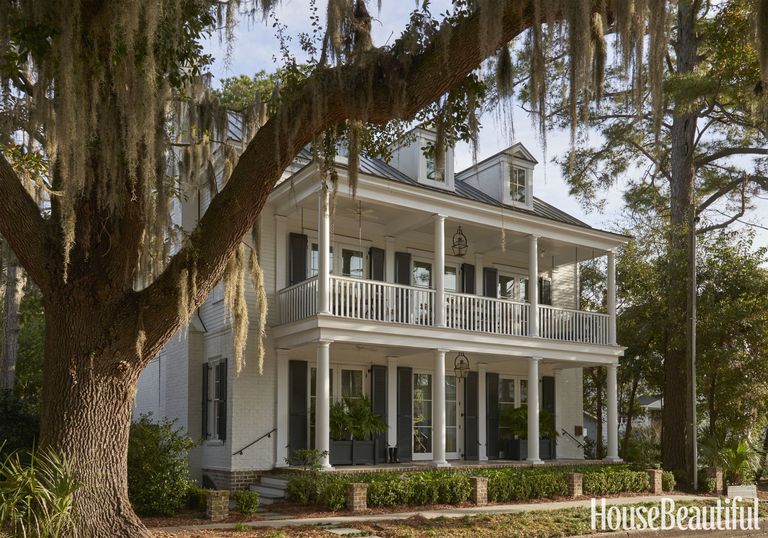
[
  {"x": 676, "y": 442},
  {"x": 14, "y": 292},
  {"x": 88, "y": 394}
]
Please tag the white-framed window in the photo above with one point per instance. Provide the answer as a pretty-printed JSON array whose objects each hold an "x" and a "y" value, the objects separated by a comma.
[
  {"x": 451, "y": 415},
  {"x": 421, "y": 275},
  {"x": 518, "y": 184},
  {"x": 215, "y": 400},
  {"x": 347, "y": 381},
  {"x": 507, "y": 288},
  {"x": 352, "y": 263},
  {"x": 314, "y": 260},
  {"x": 422, "y": 413}
]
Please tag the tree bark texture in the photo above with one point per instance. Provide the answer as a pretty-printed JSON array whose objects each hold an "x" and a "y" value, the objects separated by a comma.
[
  {"x": 630, "y": 414},
  {"x": 14, "y": 292},
  {"x": 676, "y": 442}
]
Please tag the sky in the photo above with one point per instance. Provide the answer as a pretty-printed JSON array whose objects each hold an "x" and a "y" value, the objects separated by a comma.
[{"x": 255, "y": 46}]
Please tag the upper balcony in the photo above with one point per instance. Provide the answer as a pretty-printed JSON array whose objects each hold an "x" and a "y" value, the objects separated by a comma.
[{"x": 370, "y": 300}]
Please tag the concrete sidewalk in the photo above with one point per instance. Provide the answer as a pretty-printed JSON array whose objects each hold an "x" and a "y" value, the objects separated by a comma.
[{"x": 432, "y": 514}]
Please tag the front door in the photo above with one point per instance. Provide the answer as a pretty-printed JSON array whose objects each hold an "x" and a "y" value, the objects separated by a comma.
[{"x": 423, "y": 424}]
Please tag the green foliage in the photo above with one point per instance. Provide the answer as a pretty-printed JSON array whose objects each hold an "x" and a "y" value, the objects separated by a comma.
[
  {"x": 306, "y": 458},
  {"x": 197, "y": 498},
  {"x": 241, "y": 527},
  {"x": 36, "y": 495},
  {"x": 29, "y": 366},
  {"x": 353, "y": 418},
  {"x": 19, "y": 424},
  {"x": 668, "y": 481},
  {"x": 644, "y": 447},
  {"x": 608, "y": 482},
  {"x": 246, "y": 501},
  {"x": 389, "y": 489},
  {"x": 736, "y": 457},
  {"x": 158, "y": 469},
  {"x": 517, "y": 422}
]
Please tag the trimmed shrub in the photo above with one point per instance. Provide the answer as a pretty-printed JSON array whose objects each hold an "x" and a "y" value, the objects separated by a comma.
[
  {"x": 158, "y": 470},
  {"x": 506, "y": 485},
  {"x": 196, "y": 498},
  {"x": 607, "y": 482},
  {"x": 19, "y": 425},
  {"x": 246, "y": 501},
  {"x": 668, "y": 481}
]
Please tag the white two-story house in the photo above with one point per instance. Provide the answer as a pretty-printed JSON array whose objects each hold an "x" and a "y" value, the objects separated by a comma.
[{"x": 446, "y": 300}]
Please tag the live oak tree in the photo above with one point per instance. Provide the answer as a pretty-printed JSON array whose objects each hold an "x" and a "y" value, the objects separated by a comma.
[{"x": 109, "y": 94}]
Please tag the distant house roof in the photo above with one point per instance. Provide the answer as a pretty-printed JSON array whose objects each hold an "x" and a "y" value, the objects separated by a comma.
[
  {"x": 651, "y": 402},
  {"x": 379, "y": 168}
]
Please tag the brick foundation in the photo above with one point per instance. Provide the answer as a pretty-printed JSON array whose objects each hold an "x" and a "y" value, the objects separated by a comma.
[
  {"x": 217, "y": 505},
  {"x": 575, "y": 482},
  {"x": 714, "y": 477},
  {"x": 654, "y": 476},
  {"x": 357, "y": 497},
  {"x": 479, "y": 490},
  {"x": 232, "y": 480}
]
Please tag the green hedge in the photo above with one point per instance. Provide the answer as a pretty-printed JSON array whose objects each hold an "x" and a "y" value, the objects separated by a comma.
[{"x": 388, "y": 489}]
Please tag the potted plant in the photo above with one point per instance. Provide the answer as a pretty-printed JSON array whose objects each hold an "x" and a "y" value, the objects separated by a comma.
[
  {"x": 516, "y": 446},
  {"x": 353, "y": 425}
]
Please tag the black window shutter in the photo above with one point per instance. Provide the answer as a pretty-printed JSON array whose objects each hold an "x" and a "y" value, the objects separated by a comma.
[
  {"x": 404, "y": 413},
  {"x": 222, "y": 397},
  {"x": 379, "y": 407},
  {"x": 204, "y": 431},
  {"x": 490, "y": 282},
  {"x": 492, "y": 415},
  {"x": 545, "y": 291},
  {"x": 376, "y": 263},
  {"x": 298, "y": 403},
  {"x": 468, "y": 278},
  {"x": 403, "y": 268},
  {"x": 297, "y": 258},
  {"x": 548, "y": 405},
  {"x": 471, "y": 424}
]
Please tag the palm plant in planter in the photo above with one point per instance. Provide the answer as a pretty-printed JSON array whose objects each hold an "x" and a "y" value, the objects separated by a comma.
[
  {"x": 516, "y": 423},
  {"x": 353, "y": 424}
]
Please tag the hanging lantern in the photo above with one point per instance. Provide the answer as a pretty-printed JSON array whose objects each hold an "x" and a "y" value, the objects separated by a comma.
[
  {"x": 459, "y": 243},
  {"x": 461, "y": 365}
]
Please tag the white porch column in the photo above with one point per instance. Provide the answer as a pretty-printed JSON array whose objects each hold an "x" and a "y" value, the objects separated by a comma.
[
  {"x": 281, "y": 252},
  {"x": 281, "y": 436},
  {"x": 479, "y": 274},
  {"x": 323, "y": 253},
  {"x": 439, "y": 270},
  {"x": 389, "y": 261},
  {"x": 533, "y": 410},
  {"x": 611, "y": 297},
  {"x": 482, "y": 412},
  {"x": 392, "y": 401},
  {"x": 533, "y": 285},
  {"x": 438, "y": 406},
  {"x": 323, "y": 402},
  {"x": 613, "y": 415}
]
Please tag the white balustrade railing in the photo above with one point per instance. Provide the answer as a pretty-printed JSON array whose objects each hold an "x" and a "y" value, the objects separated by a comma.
[
  {"x": 573, "y": 325},
  {"x": 485, "y": 314},
  {"x": 298, "y": 301},
  {"x": 380, "y": 301}
]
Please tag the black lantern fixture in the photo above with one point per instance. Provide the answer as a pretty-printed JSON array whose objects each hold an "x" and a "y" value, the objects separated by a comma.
[
  {"x": 459, "y": 243},
  {"x": 461, "y": 365}
]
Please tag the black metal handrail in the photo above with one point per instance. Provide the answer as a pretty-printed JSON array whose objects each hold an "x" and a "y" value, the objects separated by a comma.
[
  {"x": 249, "y": 445},
  {"x": 572, "y": 437}
]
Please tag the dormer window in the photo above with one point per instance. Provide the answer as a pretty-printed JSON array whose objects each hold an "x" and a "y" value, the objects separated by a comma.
[
  {"x": 432, "y": 173},
  {"x": 518, "y": 185}
]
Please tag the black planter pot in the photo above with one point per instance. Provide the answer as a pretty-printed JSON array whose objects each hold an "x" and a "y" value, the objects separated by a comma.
[
  {"x": 353, "y": 452},
  {"x": 518, "y": 449}
]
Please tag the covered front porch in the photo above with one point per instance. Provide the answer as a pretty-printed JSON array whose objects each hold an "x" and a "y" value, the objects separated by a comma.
[{"x": 506, "y": 408}]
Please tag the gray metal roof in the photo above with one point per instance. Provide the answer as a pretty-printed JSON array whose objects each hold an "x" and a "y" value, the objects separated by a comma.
[{"x": 379, "y": 168}]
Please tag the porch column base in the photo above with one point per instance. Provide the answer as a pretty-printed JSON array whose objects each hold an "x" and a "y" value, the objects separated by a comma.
[
  {"x": 613, "y": 460},
  {"x": 441, "y": 464},
  {"x": 536, "y": 461}
]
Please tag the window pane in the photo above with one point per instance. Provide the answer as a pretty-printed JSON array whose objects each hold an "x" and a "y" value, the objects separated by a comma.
[
  {"x": 517, "y": 185},
  {"x": 451, "y": 280},
  {"x": 422, "y": 274},
  {"x": 352, "y": 384},
  {"x": 523, "y": 391},
  {"x": 507, "y": 287},
  {"x": 450, "y": 388},
  {"x": 352, "y": 263},
  {"x": 314, "y": 261},
  {"x": 507, "y": 390},
  {"x": 422, "y": 413}
]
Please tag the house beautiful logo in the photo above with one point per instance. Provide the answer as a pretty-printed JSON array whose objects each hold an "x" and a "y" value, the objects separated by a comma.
[{"x": 729, "y": 514}]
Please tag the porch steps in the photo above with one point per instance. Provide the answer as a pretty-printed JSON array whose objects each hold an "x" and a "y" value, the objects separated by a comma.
[{"x": 270, "y": 489}]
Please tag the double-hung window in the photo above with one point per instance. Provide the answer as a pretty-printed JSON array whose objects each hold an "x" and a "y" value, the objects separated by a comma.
[
  {"x": 518, "y": 185},
  {"x": 215, "y": 400}
]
